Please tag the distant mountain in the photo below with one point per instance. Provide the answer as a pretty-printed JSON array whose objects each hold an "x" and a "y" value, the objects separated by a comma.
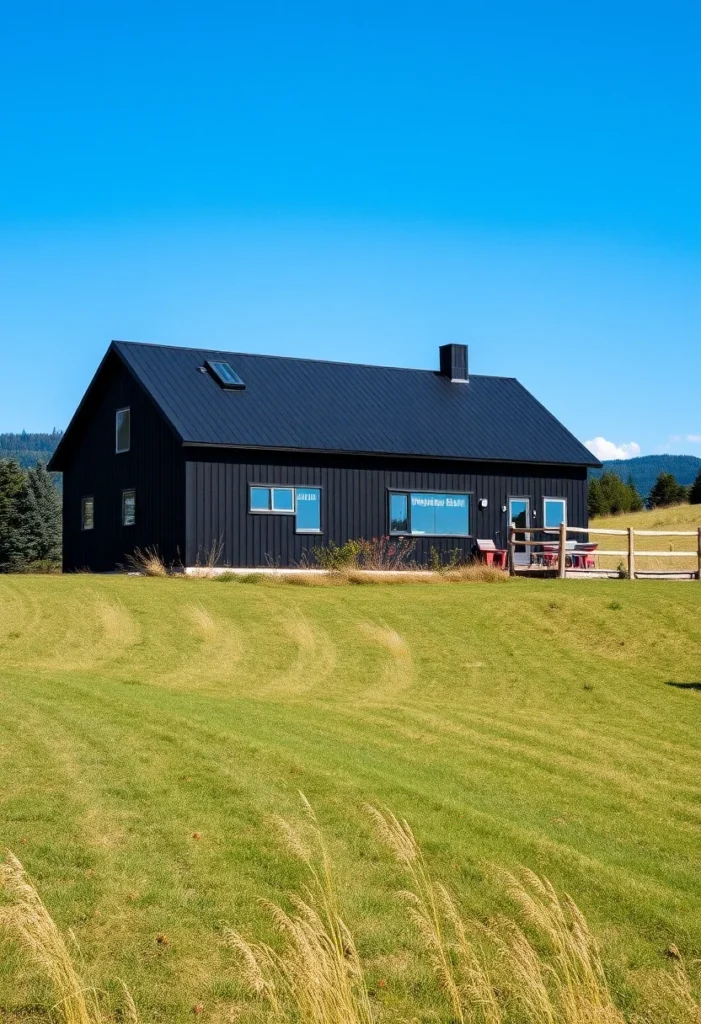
[
  {"x": 646, "y": 468},
  {"x": 28, "y": 449}
]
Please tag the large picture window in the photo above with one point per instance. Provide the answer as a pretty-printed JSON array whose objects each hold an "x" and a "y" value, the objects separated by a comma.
[
  {"x": 429, "y": 514},
  {"x": 123, "y": 431}
]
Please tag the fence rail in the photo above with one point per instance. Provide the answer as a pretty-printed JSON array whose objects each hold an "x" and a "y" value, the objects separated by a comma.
[{"x": 557, "y": 536}]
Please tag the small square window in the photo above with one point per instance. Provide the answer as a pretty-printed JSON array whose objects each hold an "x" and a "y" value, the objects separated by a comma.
[
  {"x": 283, "y": 499},
  {"x": 87, "y": 513},
  {"x": 260, "y": 499},
  {"x": 123, "y": 430},
  {"x": 128, "y": 508}
]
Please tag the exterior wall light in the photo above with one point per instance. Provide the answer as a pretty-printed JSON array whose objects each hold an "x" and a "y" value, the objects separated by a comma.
[{"x": 483, "y": 503}]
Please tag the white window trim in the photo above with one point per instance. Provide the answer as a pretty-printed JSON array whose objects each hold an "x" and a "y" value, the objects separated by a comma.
[
  {"x": 129, "y": 490},
  {"x": 117, "y": 449},
  {"x": 562, "y": 501}
]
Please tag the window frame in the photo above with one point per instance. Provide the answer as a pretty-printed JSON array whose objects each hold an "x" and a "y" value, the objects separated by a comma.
[
  {"x": 273, "y": 511},
  {"x": 562, "y": 501},
  {"x": 427, "y": 490},
  {"x": 125, "y": 491},
  {"x": 85, "y": 498},
  {"x": 117, "y": 449},
  {"x": 226, "y": 385},
  {"x": 309, "y": 487}
]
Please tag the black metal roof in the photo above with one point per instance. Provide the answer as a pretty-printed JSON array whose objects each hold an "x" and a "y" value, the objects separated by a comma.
[{"x": 308, "y": 404}]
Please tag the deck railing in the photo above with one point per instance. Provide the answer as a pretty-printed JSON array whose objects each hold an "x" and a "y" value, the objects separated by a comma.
[{"x": 523, "y": 537}]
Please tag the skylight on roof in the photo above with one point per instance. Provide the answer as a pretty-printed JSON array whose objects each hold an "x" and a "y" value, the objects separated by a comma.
[{"x": 225, "y": 376}]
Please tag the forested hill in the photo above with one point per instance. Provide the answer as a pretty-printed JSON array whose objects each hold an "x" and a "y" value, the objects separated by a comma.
[
  {"x": 646, "y": 468},
  {"x": 28, "y": 449}
]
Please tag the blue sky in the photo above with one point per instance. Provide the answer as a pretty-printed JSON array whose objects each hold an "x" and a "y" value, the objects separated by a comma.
[{"x": 363, "y": 182}]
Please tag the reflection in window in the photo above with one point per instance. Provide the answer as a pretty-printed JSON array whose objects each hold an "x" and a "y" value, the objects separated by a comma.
[
  {"x": 398, "y": 513},
  {"x": 554, "y": 512},
  {"x": 128, "y": 508},
  {"x": 422, "y": 513},
  {"x": 87, "y": 513},
  {"x": 272, "y": 499},
  {"x": 123, "y": 430},
  {"x": 308, "y": 510}
]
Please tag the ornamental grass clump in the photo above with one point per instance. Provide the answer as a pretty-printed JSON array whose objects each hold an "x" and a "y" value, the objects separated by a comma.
[
  {"x": 316, "y": 976},
  {"x": 26, "y": 919}
]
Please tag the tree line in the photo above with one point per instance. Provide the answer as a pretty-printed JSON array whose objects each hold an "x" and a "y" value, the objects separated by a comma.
[
  {"x": 609, "y": 494},
  {"x": 30, "y": 518}
]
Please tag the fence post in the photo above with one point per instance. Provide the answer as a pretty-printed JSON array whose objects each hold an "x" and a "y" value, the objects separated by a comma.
[
  {"x": 512, "y": 549},
  {"x": 631, "y": 553},
  {"x": 563, "y": 551},
  {"x": 699, "y": 553}
]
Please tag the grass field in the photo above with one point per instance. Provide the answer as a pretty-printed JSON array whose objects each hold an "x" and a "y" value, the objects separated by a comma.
[
  {"x": 150, "y": 727},
  {"x": 676, "y": 517}
]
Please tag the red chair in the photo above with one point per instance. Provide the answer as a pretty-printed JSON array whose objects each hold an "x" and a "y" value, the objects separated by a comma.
[{"x": 490, "y": 554}]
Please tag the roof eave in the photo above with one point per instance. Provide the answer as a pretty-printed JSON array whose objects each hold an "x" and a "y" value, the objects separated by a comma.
[{"x": 387, "y": 454}]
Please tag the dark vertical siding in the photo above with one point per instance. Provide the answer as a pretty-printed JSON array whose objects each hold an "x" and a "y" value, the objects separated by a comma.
[
  {"x": 153, "y": 466},
  {"x": 354, "y": 500}
]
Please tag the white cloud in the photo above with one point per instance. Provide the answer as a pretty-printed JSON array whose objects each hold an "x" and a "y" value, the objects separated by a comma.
[
  {"x": 694, "y": 438},
  {"x": 604, "y": 449}
]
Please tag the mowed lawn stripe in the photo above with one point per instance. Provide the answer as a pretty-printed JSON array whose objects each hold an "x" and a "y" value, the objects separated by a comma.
[{"x": 151, "y": 727}]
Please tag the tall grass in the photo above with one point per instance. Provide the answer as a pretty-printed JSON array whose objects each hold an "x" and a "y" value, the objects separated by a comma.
[
  {"x": 541, "y": 965},
  {"x": 316, "y": 977},
  {"x": 29, "y": 922}
]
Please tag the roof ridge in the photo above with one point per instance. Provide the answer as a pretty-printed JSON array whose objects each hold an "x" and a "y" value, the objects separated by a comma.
[{"x": 298, "y": 359}]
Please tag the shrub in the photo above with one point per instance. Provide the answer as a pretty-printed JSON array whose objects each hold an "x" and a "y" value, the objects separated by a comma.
[{"x": 380, "y": 553}]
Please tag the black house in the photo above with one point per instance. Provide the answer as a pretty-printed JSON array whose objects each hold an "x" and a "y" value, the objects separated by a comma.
[{"x": 265, "y": 457}]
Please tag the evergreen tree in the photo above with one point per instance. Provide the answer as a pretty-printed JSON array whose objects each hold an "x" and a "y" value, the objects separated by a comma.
[
  {"x": 43, "y": 515},
  {"x": 666, "y": 491},
  {"x": 12, "y": 489},
  {"x": 695, "y": 490},
  {"x": 636, "y": 502},
  {"x": 596, "y": 502},
  {"x": 30, "y": 517}
]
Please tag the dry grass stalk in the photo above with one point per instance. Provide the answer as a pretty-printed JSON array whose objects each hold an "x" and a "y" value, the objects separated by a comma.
[
  {"x": 455, "y": 962},
  {"x": 570, "y": 987},
  {"x": 147, "y": 562},
  {"x": 27, "y": 919},
  {"x": 567, "y": 985},
  {"x": 317, "y": 976}
]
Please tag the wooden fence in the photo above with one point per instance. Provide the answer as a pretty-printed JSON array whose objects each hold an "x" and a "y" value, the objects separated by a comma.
[{"x": 522, "y": 537}]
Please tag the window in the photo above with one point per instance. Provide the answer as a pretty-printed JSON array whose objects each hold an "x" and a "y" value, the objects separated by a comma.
[
  {"x": 399, "y": 513},
  {"x": 227, "y": 377},
  {"x": 429, "y": 514},
  {"x": 272, "y": 499},
  {"x": 123, "y": 430},
  {"x": 554, "y": 512},
  {"x": 128, "y": 507},
  {"x": 305, "y": 502},
  {"x": 87, "y": 513},
  {"x": 308, "y": 510}
]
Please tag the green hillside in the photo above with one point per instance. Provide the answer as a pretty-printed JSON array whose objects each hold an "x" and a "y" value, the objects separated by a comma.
[
  {"x": 645, "y": 469},
  {"x": 28, "y": 449},
  {"x": 152, "y": 727}
]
